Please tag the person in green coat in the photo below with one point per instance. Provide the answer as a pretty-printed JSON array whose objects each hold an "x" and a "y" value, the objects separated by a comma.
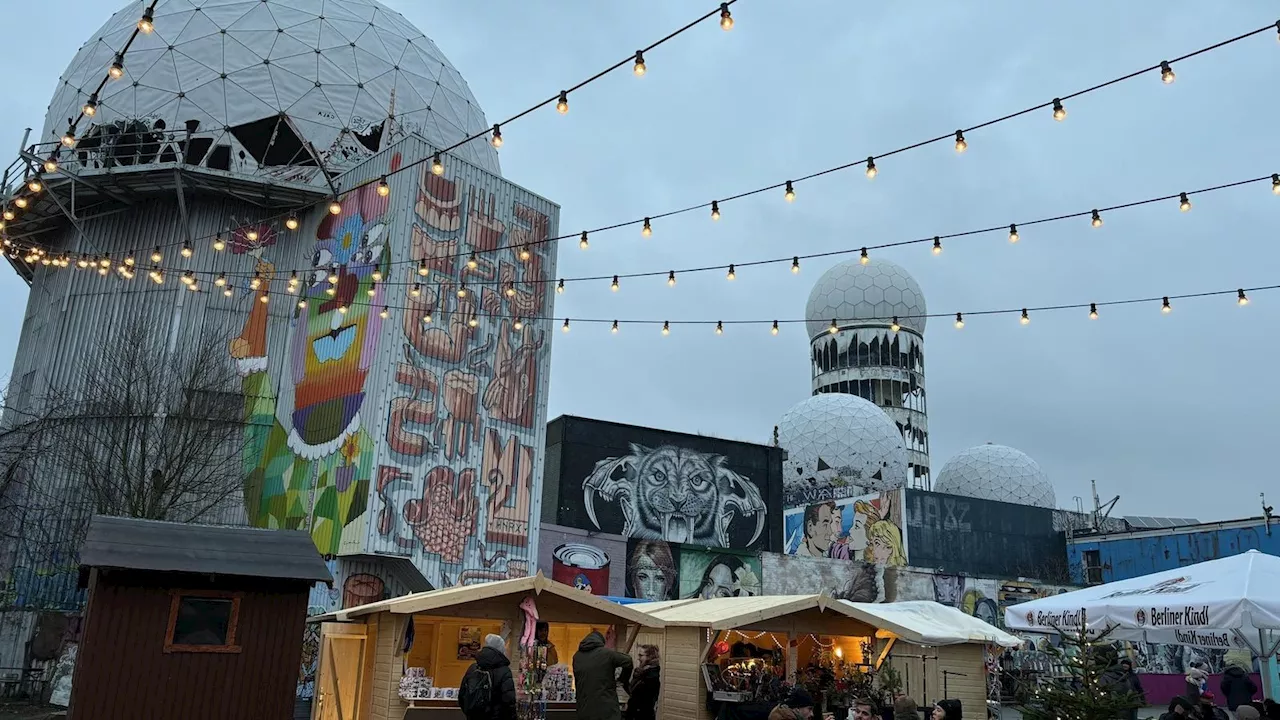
[{"x": 596, "y": 678}]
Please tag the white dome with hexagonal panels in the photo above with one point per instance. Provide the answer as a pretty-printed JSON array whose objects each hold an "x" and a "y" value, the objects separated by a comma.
[
  {"x": 269, "y": 88},
  {"x": 839, "y": 440},
  {"x": 877, "y": 291},
  {"x": 996, "y": 472}
]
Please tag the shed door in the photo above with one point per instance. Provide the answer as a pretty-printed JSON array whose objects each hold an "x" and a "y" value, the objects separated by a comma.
[{"x": 341, "y": 673}]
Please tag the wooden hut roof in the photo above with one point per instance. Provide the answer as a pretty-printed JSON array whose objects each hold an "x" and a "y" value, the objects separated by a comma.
[
  {"x": 127, "y": 543},
  {"x": 764, "y": 612}
]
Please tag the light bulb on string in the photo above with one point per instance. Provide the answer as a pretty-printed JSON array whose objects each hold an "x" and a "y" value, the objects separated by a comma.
[
  {"x": 671, "y": 278},
  {"x": 156, "y": 256},
  {"x": 732, "y": 275},
  {"x": 186, "y": 250},
  {"x": 90, "y": 106},
  {"x": 583, "y": 242},
  {"x": 82, "y": 263},
  {"x": 719, "y": 327},
  {"x": 426, "y": 319},
  {"x": 69, "y": 137},
  {"x": 228, "y": 292},
  {"x": 614, "y": 328},
  {"x": 437, "y": 165},
  {"x": 373, "y": 289},
  {"x": 864, "y": 258},
  {"x": 495, "y": 139},
  {"x": 1093, "y": 311},
  {"x": 416, "y": 290},
  {"x": 518, "y": 324},
  {"x": 333, "y": 276},
  {"x": 218, "y": 243},
  {"x": 640, "y": 68},
  {"x": 256, "y": 282},
  {"x": 789, "y": 193},
  {"x": 384, "y": 313},
  {"x": 116, "y": 71},
  {"x": 1166, "y": 73},
  {"x": 188, "y": 277},
  {"x": 21, "y": 202},
  {"x": 614, "y": 285},
  {"x": 894, "y": 326},
  {"x": 565, "y": 326},
  {"x": 1013, "y": 233},
  {"x": 1241, "y": 298},
  {"x": 525, "y": 253},
  {"x": 726, "y": 17},
  {"x": 1025, "y": 319},
  {"x": 961, "y": 145},
  {"x": 9, "y": 214},
  {"x": 331, "y": 291},
  {"x": 560, "y": 286},
  {"x": 51, "y": 165},
  {"x": 473, "y": 261},
  {"x": 959, "y": 321},
  {"x": 715, "y": 209},
  {"x": 1059, "y": 112},
  {"x": 473, "y": 322},
  {"x": 342, "y": 309},
  {"x": 423, "y": 270},
  {"x": 511, "y": 290},
  {"x": 1184, "y": 202},
  {"x": 871, "y": 167},
  {"x": 335, "y": 207},
  {"x": 147, "y": 23},
  {"x": 384, "y": 188},
  {"x": 35, "y": 185},
  {"x": 834, "y": 328},
  {"x": 221, "y": 280},
  {"x": 562, "y": 103},
  {"x": 1275, "y": 183},
  {"x": 774, "y": 329},
  {"x": 666, "y": 327},
  {"x": 157, "y": 275},
  {"x": 1165, "y": 307},
  {"x": 646, "y": 230},
  {"x": 937, "y": 245},
  {"x": 462, "y": 290},
  {"x": 128, "y": 259},
  {"x": 1097, "y": 219},
  {"x": 795, "y": 265}
]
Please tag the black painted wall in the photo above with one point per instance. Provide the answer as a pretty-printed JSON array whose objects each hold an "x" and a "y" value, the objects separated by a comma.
[
  {"x": 983, "y": 537},
  {"x": 691, "y": 475}
]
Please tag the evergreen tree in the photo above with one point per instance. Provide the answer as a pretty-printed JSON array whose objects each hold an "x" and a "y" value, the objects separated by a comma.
[{"x": 1087, "y": 683}]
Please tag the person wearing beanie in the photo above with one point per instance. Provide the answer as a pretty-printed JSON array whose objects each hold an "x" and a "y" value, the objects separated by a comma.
[
  {"x": 947, "y": 710},
  {"x": 1237, "y": 687},
  {"x": 488, "y": 689},
  {"x": 798, "y": 705}
]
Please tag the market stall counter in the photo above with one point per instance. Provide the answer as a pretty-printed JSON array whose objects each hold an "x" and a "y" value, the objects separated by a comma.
[{"x": 404, "y": 658}]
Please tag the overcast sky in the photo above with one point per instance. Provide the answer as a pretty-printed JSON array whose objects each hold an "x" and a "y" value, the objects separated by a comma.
[{"x": 1177, "y": 414}]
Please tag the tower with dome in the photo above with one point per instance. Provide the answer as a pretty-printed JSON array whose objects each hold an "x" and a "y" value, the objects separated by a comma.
[{"x": 257, "y": 186}]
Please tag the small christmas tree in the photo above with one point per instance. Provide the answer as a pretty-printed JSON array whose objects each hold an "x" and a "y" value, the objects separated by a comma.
[{"x": 1090, "y": 685}]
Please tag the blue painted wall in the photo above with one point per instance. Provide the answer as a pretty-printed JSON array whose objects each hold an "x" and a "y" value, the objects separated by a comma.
[{"x": 1125, "y": 557}]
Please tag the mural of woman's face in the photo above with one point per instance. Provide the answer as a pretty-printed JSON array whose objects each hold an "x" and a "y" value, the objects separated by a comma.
[
  {"x": 880, "y": 550},
  {"x": 858, "y": 532},
  {"x": 719, "y": 583},
  {"x": 651, "y": 581}
]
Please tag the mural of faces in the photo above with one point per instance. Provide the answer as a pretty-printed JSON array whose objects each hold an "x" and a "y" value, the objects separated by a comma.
[
  {"x": 651, "y": 571},
  {"x": 865, "y": 529},
  {"x": 723, "y": 575}
]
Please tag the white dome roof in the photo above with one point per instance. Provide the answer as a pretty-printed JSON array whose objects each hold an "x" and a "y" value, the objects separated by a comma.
[
  {"x": 879, "y": 290},
  {"x": 834, "y": 438},
  {"x": 996, "y": 472},
  {"x": 335, "y": 70}
]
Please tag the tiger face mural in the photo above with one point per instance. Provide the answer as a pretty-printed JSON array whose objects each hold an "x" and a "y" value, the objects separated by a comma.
[{"x": 675, "y": 494}]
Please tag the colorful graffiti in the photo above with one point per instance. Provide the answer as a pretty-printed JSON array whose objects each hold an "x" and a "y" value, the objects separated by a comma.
[
  {"x": 867, "y": 528},
  {"x": 653, "y": 570},
  {"x": 590, "y": 561},
  {"x": 706, "y": 573}
]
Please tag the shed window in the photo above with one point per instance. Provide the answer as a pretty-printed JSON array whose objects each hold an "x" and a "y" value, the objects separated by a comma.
[{"x": 203, "y": 622}]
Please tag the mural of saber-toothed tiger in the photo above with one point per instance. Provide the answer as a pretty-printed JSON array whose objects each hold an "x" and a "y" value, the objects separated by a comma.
[{"x": 674, "y": 494}]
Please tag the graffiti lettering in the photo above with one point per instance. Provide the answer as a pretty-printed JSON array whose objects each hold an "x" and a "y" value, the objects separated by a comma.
[
  {"x": 394, "y": 485},
  {"x": 445, "y": 517},
  {"x": 462, "y": 427},
  {"x": 406, "y": 412},
  {"x": 939, "y": 514},
  {"x": 508, "y": 474}
]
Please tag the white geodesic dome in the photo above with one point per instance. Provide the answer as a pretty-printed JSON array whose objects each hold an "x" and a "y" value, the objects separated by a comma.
[
  {"x": 838, "y": 439},
  {"x": 283, "y": 84},
  {"x": 879, "y": 290},
  {"x": 996, "y": 472}
]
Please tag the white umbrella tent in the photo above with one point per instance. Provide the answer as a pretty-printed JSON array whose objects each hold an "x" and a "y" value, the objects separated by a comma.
[{"x": 1232, "y": 602}]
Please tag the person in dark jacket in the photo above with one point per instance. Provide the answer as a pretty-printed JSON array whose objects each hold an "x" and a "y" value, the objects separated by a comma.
[
  {"x": 646, "y": 681},
  {"x": 1129, "y": 682},
  {"x": 1237, "y": 687},
  {"x": 492, "y": 659},
  {"x": 1180, "y": 708},
  {"x": 947, "y": 710},
  {"x": 1209, "y": 710},
  {"x": 596, "y": 676}
]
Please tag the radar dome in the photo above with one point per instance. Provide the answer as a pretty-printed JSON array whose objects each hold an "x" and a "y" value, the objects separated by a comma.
[
  {"x": 877, "y": 291},
  {"x": 996, "y": 472},
  {"x": 836, "y": 440},
  {"x": 268, "y": 88}
]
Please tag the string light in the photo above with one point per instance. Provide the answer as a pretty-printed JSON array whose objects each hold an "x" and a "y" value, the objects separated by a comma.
[
  {"x": 188, "y": 278},
  {"x": 292, "y": 222},
  {"x": 640, "y": 68},
  {"x": 565, "y": 327},
  {"x": 82, "y": 263},
  {"x": 256, "y": 282},
  {"x": 1097, "y": 219},
  {"x": 218, "y": 243},
  {"x": 473, "y": 262},
  {"x": 790, "y": 193},
  {"x": 222, "y": 280},
  {"x": 186, "y": 250},
  {"x": 834, "y": 327},
  {"x": 518, "y": 324},
  {"x": 937, "y": 245},
  {"x": 69, "y": 137},
  {"x": 156, "y": 256},
  {"x": 1165, "y": 307},
  {"x": 961, "y": 145},
  {"x": 335, "y": 207},
  {"x": 560, "y": 287},
  {"x": 614, "y": 329},
  {"x": 1059, "y": 112},
  {"x": 511, "y": 290},
  {"x": 157, "y": 275},
  {"x": 1025, "y": 319},
  {"x": 342, "y": 309},
  {"x": 726, "y": 17},
  {"x": 426, "y": 319},
  {"x": 21, "y": 202},
  {"x": 51, "y": 165},
  {"x": 774, "y": 329},
  {"x": 333, "y": 277},
  {"x": 473, "y": 322},
  {"x": 416, "y": 290},
  {"x": 1013, "y": 233},
  {"x": 1275, "y": 183},
  {"x": 715, "y": 209},
  {"x": 1184, "y": 202},
  {"x": 116, "y": 71},
  {"x": 91, "y": 106},
  {"x": 864, "y": 258},
  {"x": 562, "y": 103},
  {"x": 1166, "y": 73},
  {"x": 871, "y": 168},
  {"x": 614, "y": 285},
  {"x": 9, "y": 214},
  {"x": 34, "y": 184},
  {"x": 423, "y": 270},
  {"x": 894, "y": 326},
  {"x": 373, "y": 289},
  {"x": 147, "y": 24},
  {"x": 1093, "y": 311},
  {"x": 525, "y": 254},
  {"x": 719, "y": 328},
  {"x": 959, "y": 321},
  {"x": 384, "y": 189},
  {"x": 384, "y": 313},
  {"x": 583, "y": 242},
  {"x": 795, "y": 265},
  {"x": 666, "y": 328},
  {"x": 128, "y": 259},
  {"x": 671, "y": 278},
  {"x": 1241, "y": 298},
  {"x": 732, "y": 275},
  {"x": 462, "y": 290},
  {"x": 647, "y": 230},
  {"x": 495, "y": 139},
  {"x": 437, "y": 165}
]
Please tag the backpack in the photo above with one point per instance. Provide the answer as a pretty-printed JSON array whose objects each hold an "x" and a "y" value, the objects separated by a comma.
[{"x": 476, "y": 693}]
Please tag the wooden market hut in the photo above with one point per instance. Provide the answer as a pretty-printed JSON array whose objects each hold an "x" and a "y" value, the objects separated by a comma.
[
  {"x": 191, "y": 621},
  {"x": 367, "y": 650}
]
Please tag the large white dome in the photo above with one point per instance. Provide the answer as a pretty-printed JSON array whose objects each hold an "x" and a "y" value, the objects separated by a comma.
[
  {"x": 996, "y": 472},
  {"x": 835, "y": 440},
  {"x": 267, "y": 80},
  {"x": 879, "y": 290}
]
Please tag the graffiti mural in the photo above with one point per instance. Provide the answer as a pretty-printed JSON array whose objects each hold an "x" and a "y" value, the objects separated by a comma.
[
  {"x": 842, "y": 579},
  {"x": 595, "y": 562},
  {"x": 653, "y": 570},
  {"x": 710, "y": 574},
  {"x": 866, "y": 529}
]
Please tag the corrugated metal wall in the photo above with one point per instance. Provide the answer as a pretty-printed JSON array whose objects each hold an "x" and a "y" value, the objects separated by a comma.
[{"x": 1128, "y": 556}]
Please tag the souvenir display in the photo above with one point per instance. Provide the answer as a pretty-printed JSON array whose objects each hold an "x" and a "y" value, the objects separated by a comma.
[{"x": 415, "y": 685}]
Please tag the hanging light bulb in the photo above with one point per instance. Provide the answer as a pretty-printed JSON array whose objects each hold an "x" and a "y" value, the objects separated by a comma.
[
  {"x": 614, "y": 329},
  {"x": 186, "y": 250},
  {"x": 666, "y": 327},
  {"x": 1025, "y": 319},
  {"x": 422, "y": 268},
  {"x": 959, "y": 321},
  {"x": 1275, "y": 183},
  {"x": 335, "y": 207},
  {"x": 1241, "y": 298},
  {"x": 719, "y": 328},
  {"x": 331, "y": 291},
  {"x": 560, "y": 286},
  {"x": 101, "y": 271},
  {"x": 473, "y": 261},
  {"x": 518, "y": 324},
  {"x": 795, "y": 265},
  {"x": 640, "y": 68},
  {"x": 188, "y": 277},
  {"x": 256, "y": 282},
  {"x": 82, "y": 263},
  {"x": 34, "y": 184},
  {"x": 1013, "y": 233},
  {"x": 147, "y": 24},
  {"x": 774, "y": 329},
  {"x": 715, "y": 209},
  {"x": 1184, "y": 202},
  {"x": 426, "y": 319},
  {"x": 384, "y": 313},
  {"x": 1165, "y": 307},
  {"x": 218, "y": 243},
  {"x": 1166, "y": 73},
  {"x": 221, "y": 280},
  {"x": 871, "y": 168},
  {"x": 671, "y": 278},
  {"x": 511, "y": 290},
  {"x": 864, "y": 258},
  {"x": 9, "y": 214},
  {"x": 437, "y": 165},
  {"x": 252, "y": 235},
  {"x": 961, "y": 145},
  {"x": 894, "y": 326},
  {"x": 1059, "y": 112},
  {"x": 565, "y": 326},
  {"x": 496, "y": 138},
  {"x": 333, "y": 276},
  {"x": 21, "y": 202},
  {"x": 562, "y": 103},
  {"x": 789, "y": 193},
  {"x": 473, "y": 322},
  {"x": 116, "y": 71},
  {"x": 157, "y": 275},
  {"x": 104, "y": 261},
  {"x": 51, "y": 165},
  {"x": 416, "y": 290},
  {"x": 731, "y": 274},
  {"x": 834, "y": 327},
  {"x": 614, "y": 285},
  {"x": 384, "y": 189},
  {"x": 373, "y": 289},
  {"x": 90, "y": 106},
  {"x": 342, "y": 309},
  {"x": 937, "y": 245},
  {"x": 525, "y": 253},
  {"x": 726, "y": 17},
  {"x": 1093, "y": 311},
  {"x": 583, "y": 242},
  {"x": 156, "y": 256},
  {"x": 69, "y": 137},
  {"x": 462, "y": 290},
  {"x": 1097, "y": 219},
  {"x": 128, "y": 259}
]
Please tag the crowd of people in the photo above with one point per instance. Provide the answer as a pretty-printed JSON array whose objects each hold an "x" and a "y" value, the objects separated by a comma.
[{"x": 1239, "y": 693}]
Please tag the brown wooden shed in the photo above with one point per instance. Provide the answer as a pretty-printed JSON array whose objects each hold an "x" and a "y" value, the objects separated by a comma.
[{"x": 191, "y": 621}]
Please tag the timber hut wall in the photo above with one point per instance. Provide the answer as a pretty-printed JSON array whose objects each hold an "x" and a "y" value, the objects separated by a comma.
[
  {"x": 684, "y": 694},
  {"x": 923, "y": 679},
  {"x": 388, "y": 665},
  {"x": 123, "y": 673}
]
